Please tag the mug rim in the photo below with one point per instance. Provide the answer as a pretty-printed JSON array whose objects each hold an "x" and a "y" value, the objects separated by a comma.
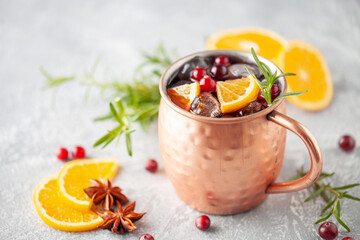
[{"x": 170, "y": 70}]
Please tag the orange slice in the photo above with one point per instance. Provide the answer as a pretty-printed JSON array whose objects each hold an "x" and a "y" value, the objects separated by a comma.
[
  {"x": 58, "y": 214},
  {"x": 236, "y": 94},
  {"x": 312, "y": 74},
  {"x": 74, "y": 176},
  {"x": 265, "y": 42},
  {"x": 184, "y": 95}
]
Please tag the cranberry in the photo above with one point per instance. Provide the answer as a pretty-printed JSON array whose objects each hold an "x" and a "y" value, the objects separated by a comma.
[
  {"x": 207, "y": 84},
  {"x": 146, "y": 237},
  {"x": 198, "y": 73},
  {"x": 275, "y": 91},
  {"x": 222, "y": 60},
  {"x": 263, "y": 103},
  {"x": 219, "y": 72},
  {"x": 202, "y": 222},
  {"x": 61, "y": 153},
  {"x": 348, "y": 238},
  {"x": 347, "y": 143},
  {"x": 151, "y": 165},
  {"x": 78, "y": 152},
  {"x": 260, "y": 94},
  {"x": 328, "y": 231}
]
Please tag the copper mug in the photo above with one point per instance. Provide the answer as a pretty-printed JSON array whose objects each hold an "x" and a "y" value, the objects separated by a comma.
[{"x": 229, "y": 165}]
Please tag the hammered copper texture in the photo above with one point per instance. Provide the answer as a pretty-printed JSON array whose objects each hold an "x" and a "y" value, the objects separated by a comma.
[{"x": 221, "y": 168}]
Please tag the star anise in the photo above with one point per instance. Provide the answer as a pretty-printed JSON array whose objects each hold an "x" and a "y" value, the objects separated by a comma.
[
  {"x": 99, "y": 192},
  {"x": 121, "y": 220}
]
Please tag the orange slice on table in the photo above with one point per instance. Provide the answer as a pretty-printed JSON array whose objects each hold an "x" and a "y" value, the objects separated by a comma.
[
  {"x": 74, "y": 176},
  {"x": 58, "y": 214},
  {"x": 236, "y": 94},
  {"x": 183, "y": 95},
  {"x": 312, "y": 74},
  {"x": 266, "y": 43}
]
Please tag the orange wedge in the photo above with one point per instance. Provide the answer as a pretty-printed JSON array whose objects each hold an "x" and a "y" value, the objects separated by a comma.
[
  {"x": 265, "y": 42},
  {"x": 236, "y": 94},
  {"x": 74, "y": 176},
  {"x": 58, "y": 214},
  {"x": 184, "y": 95},
  {"x": 312, "y": 74}
]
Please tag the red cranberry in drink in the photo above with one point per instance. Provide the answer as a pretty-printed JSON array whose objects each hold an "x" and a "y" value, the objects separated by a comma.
[
  {"x": 198, "y": 73},
  {"x": 347, "y": 143},
  {"x": 328, "y": 231},
  {"x": 207, "y": 84},
  {"x": 151, "y": 165},
  {"x": 222, "y": 60},
  {"x": 263, "y": 103},
  {"x": 61, "y": 153},
  {"x": 146, "y": 237},
  {"x": 78, "y": 152},
  {"x": 260, "y": 94},
  {"x": 275, "y": 91},
  {"x": 348, "y": 238},
  {"x": 219, "y": 72},
  {"x": 202, "y": 222}
]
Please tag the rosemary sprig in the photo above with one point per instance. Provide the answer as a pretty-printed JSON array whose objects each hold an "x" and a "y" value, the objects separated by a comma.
[
  {"x": 135, "y": 102},
  {"x": 331, "y": 195},
  {"x": 271, "y": 78}
]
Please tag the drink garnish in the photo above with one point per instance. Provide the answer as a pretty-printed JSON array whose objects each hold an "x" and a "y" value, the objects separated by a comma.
[
  {"x": 270, "y": 78},
  {"x": 236, "y": 93}
]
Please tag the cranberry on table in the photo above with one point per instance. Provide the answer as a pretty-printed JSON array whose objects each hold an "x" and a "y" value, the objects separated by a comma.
[
  {"x": 198, "y": 73},
  {"x": 146, "y": 237},
  {"x": 222, "y": 60},
  {"x": 328, "y": 231},
  {"x": 202, "y": 222},
  {"x": 219, "y": 72},
  {"x": 347, "y": 143},
  {"x": 207, "y": 84},
  {"x": 78, "y": 152},
  {"x": 151, "y": 165},
  {"x": 61, "y": 153},
  {"x": 275, "y": 91},
  {"x": 348, "y": 238}
]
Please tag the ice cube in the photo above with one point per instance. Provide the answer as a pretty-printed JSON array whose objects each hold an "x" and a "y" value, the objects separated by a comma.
[
  {"x": 239, "y": 71},
  {"x": 255, "y": 107},
  {"x": 206, "y": 105},
  {"x": 178, "y": 82},
  {"x": 185, "y": 71}
]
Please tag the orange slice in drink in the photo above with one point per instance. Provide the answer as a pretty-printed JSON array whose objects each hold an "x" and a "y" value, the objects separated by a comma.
[
  {"x": 74, "y": 176},
  {"x": 312, "y": 74},
  {"x": 184, "y": 95},
  {"x": 266, "y": 43},
  {"x": 236, "y": 94},
  {"x": 58, "y": 214}
]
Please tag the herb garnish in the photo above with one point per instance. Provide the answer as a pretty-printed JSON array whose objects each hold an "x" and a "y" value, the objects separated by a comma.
[
  {"x": 135, "y": 102},
  {"x": 270, "y": 77},
  {"x": 332, "y": 195}
]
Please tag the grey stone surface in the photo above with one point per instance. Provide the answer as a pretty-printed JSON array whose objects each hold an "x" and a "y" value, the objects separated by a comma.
[{"x": 67, "y": 36}]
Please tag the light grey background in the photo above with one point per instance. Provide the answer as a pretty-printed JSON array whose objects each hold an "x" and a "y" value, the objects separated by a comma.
[{"x": 67, "y": 36}]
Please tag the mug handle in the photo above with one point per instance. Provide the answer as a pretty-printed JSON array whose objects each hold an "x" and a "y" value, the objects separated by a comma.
[{"x": 313, "y": 148}]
